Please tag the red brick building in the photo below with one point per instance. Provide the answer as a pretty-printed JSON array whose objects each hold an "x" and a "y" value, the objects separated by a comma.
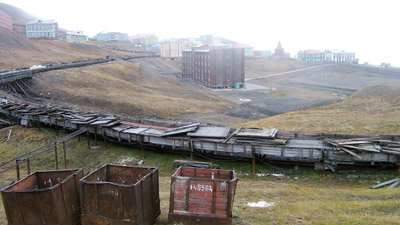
[
  {"x": 5, "y": 21},
  {"x": 214, "y": 67}
]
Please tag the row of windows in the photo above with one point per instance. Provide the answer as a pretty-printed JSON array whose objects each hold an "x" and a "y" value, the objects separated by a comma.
[
  {"x": 40, "y": 34},
  {"x": 40, "y": 27}
]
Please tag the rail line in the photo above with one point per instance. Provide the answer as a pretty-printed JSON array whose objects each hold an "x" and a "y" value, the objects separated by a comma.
[
  {"x": 211, "y": 141},
  {"x": 23, "y": 73}
]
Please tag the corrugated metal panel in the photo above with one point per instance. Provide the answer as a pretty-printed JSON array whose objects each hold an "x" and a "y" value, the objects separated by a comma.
[{"x": 210, "y": 132}]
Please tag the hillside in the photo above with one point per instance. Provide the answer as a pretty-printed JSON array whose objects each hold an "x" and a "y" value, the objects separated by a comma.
[
  {"x": 374, "y": 110},
  {"x": 17, "y": 51},
  {"x": 19, "y": 17},
  {"x": 125, "y": 88}
]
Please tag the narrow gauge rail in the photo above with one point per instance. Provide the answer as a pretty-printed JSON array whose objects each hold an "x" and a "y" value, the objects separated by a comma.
[
  {"x": 269, "y": 144},
  {"x": 23, "y": 73}
]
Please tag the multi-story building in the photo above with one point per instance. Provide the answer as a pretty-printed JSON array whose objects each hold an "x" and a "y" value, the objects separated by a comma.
[
  {"x": 145, "y": 39},
  {"x": 311, "y": 55},
  {"x": 112, "y": 37},
  {"x": 76, "y": 37},
  {"x": 248, "y": 50},
  {"x": 214, "y": 67},
  {"x": 339, "y": 56},
  {"x": 5, "y": 21},
  {"x": 171, "y": 49},
  {"x": 262, "y": 53},
  {"x": 42, "y": 29},
  {"x": 326, "y": 55}
]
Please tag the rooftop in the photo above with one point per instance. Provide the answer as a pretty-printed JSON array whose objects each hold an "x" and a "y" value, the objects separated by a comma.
[
  {"x": 311, "y": 52},
  {"x": 41, "y": 21}
]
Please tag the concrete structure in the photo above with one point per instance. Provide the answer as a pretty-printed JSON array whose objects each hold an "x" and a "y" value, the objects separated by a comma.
[
  {"x": 42, "y": 29},
  {"x": 5, "y": 21},
  {"x": 145, "y": 39},
  {"x": 76, "y": 37},
  {"x": 171, "y": 49},
  {"x": 311, "y": 55},
  {"x": 280, "y": 52},
  {"x": 339, "y": 56},
  {"x": 112, "y": 37},
  {"x": 214, "y": 67}
]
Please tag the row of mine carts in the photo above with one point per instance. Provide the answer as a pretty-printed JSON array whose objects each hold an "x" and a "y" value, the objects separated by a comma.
[{"x": 120, "y": 195}]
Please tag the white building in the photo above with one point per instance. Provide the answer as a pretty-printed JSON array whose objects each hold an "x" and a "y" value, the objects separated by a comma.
[{"x": 76, "y": 37}]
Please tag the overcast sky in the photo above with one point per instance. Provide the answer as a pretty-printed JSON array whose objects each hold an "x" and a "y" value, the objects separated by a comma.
[{"x": 370, "y": 28}]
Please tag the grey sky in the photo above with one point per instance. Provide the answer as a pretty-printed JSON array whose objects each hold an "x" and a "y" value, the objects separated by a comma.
[{"x": 366, "y": 27}]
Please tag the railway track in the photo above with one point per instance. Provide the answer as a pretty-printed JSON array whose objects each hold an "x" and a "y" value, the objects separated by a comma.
[{"x": 210, "y": 141}]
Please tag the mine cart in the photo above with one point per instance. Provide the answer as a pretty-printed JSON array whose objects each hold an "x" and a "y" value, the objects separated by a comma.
[
  {"x": 202, "y": 196},
  {"x": 44, "y": 197},
  {"x": 120, "y": 195}
]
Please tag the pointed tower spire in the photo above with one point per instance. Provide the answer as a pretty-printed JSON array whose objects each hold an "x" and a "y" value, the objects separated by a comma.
[{"x": 279, "y": 45}]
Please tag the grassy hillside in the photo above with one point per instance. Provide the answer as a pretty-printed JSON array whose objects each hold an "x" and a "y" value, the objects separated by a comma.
[
  {"x": 125, "y": 88},
  {"x": 373, "y": 110},
  {"x": 264, "y": 66},
  {"x": 17, "y": 51},
  {"x": 303, "y": 197}
]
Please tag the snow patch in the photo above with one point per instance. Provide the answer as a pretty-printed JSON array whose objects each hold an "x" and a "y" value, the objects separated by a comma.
[
  {"x": 245, "y": 100},
  {"x": 34, "y": 67},
  {"x": 125, "y": 160},
  {"x": 260, "y": 204}
]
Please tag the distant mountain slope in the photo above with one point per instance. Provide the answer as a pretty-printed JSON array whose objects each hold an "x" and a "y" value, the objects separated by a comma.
[{"x": 19, "y": 16}]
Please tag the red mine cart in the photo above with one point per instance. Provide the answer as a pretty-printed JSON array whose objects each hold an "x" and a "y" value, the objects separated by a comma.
[
  {"x": 120, "y": 195},
  {"x": 202, "y": 196},
  {"x": 44, "y": 197}
]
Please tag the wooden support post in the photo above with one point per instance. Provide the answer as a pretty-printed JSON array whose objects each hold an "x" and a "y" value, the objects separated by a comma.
[
  {"x": 323, "y": 163},
  {"x": 191, "y": 149},
  {"x": 254, "y": 159},
  {"x": 56, "y": 154},
  {"x": 141, "y": 146},
  {"x": 88, "y": 139},
  {"x": 79, "y": 138},
  {"x": 65, "y": 155},
  {"x": 28, "y": 166},
  {"x": 18, "y": 175},
  {"x": 38, "y": 123},
  {"x": 398, "y": 166},
  {"x": 105, "y": 140},
  {"x": 95, "y": 136},
  {"x": 56, "y": 128}
]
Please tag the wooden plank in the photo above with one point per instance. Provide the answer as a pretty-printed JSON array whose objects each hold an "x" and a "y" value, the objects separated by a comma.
[
  {"x": 231, "y": 135},
  {"x": 344, "y": 149},
  {"x": 360, "y": 148}
]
